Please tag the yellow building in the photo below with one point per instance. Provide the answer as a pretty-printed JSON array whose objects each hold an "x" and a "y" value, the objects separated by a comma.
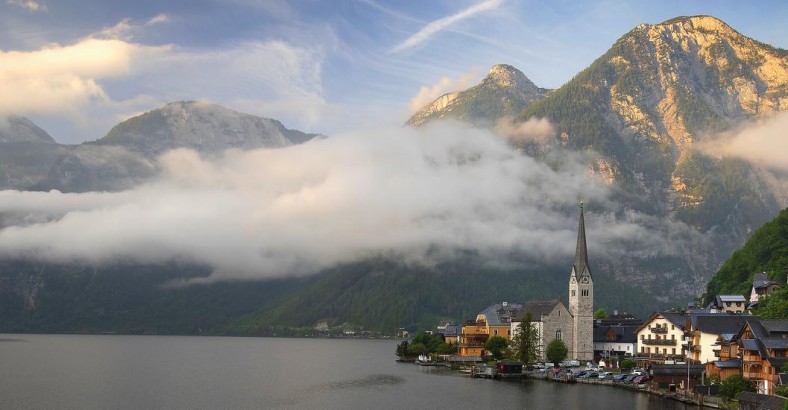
[{"x": 496, "y": 320}]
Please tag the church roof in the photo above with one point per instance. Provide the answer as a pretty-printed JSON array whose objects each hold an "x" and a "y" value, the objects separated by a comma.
[
  {"x": 537, "y": 309},
  {"x": 580, "y": 266}
]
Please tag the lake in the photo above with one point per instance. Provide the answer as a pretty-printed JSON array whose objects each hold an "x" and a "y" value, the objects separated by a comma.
[{"x": 185, "y": 372}]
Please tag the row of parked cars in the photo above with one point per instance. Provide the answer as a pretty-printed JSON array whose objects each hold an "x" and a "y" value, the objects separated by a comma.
[{"x": 637, "y": 376}]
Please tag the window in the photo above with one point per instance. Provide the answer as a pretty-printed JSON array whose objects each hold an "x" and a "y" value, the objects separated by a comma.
[
  {"x": 674, "y": 350},
  {"x": 558, "y": 334},
  {"x": 573, "y": 292},
  {"x": 642, "y": 337},
  {"x": 672, "y": 337},
  {"x": 671, "y": 327},
  {"x": 496, "y": 332}
]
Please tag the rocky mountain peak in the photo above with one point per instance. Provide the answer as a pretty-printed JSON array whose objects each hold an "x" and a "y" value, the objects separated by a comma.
[{"x": 506, "y": 76}]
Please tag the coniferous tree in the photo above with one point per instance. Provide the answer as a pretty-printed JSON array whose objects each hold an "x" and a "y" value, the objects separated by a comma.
[{"x": 525, "y": 343}]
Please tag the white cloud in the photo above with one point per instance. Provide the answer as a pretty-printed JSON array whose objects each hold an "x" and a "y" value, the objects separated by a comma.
[
  {"x": 29, "y": 5},
  {"x": 158, "y": 19},
  {"x": 538, "y": 130},
  {"x": 427, "y": 95},
  {"x": 420, "y": 196},
  {"x": 62, "y": 79},
  {"x": 763, "y": 143},
  {"x": 443, "y": 23}
]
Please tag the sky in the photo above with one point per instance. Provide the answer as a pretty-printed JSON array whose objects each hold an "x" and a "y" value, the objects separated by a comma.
[{"x": 76, "y": 68}]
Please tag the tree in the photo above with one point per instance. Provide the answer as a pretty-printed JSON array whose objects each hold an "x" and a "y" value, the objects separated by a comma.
[
  {"x": 556, "y": 351},
  {"x": 774, "y": 306},
  {"x": 525, "y": 343},
  {"x": 600, "y": 313},
  {"x": 733, "y": 385},
  {"x": 402, "y": 350},
  {"x": 628, "y": 364},
  {"x": 496, "y": 345}
]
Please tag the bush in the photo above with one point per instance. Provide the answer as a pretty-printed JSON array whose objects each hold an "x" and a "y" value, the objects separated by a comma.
[
  {"x": 733, "y": 385},
  {"x": 556, "y": 351},
  {"x": 628, "y": 364}
]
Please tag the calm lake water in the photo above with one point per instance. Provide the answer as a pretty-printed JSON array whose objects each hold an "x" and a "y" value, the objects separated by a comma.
[{"x": 172, "y": 372}]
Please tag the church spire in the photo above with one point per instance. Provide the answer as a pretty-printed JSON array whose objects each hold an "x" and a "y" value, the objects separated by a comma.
[{"x": 581, "y": 253}]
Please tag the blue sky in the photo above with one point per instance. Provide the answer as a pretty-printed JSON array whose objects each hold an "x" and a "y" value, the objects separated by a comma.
[{"x": 78, "y": 67}]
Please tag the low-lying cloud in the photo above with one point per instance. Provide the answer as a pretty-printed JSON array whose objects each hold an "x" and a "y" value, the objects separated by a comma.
[
  {"x": 418, "y": 195},
  {"x": 763, "y": 143}
]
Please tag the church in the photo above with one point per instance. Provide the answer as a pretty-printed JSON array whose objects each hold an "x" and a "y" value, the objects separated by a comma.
[{"x": 551, "y": 318}]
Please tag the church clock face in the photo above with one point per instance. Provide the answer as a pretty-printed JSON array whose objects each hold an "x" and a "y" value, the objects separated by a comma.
[{"x": 585, "y": 280}]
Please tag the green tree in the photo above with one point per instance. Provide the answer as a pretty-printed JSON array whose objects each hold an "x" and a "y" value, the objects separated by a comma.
[
  {"x": 556, "y": 351},
  {"x": 402, "y": 349},
  {"x": 525, "y": 344},
  {"x": 600, "y": 313},
  {"x": 496, "y": 345},
  {"x": 416, "y": 349},
  {"x": 628, "y": 364},
  {"x": 774, "y": 306},
  {"x": 733, "y": 385}
]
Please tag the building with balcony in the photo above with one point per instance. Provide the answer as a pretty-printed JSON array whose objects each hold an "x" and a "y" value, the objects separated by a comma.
[
  {"x": 660, "y": 338},
  {"x": 764, "y": 346},
  {"x": 705, "y": 329}
]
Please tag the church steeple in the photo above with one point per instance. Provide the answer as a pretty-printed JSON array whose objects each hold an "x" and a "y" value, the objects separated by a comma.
[{"x": 581, "y": 252}]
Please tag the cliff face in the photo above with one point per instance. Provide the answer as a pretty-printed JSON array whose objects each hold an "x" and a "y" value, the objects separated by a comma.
[{"x": 505, "y": 91}]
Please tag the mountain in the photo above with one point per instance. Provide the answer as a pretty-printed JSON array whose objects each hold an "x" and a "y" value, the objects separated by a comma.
[
  {"x": 125, "y": 157},
  {"x": 505, "y": 91},
  {"x": 20, "y": 129},
  {"x": 206, "y": 128},
  {"x": 643, "y": 106}
]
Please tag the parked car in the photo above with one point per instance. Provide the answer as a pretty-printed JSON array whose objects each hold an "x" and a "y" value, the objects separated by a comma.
[
  {"x": 620, "y": 377},
  {"x": 606, "y": 376},
  {"x": 640, "y": 379},
  {"x": 581, "y": 374},
  {"x": 628, "y": 378},
  {"x": 591, "y": 375},
  {"x": 638, "y": 371}
]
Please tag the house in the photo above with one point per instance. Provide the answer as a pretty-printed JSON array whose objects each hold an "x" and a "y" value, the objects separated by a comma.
[
  {"x": 764, "y": 346},
  {"x": 754, "y": 401},
  {"x": 761, "y": 286},
  {"x": 704, "y": 330},
  {"x": 728, "y": 304},
  {"x": 672, "y": 377},
  {"x": 615, "y": 341},
  {"x": 495, "y": 320},
  {"x": 451, "y": 333},
  {"x": 728, "y": 362},
  {"x": 621, "y": 319},
  {"x": 660, "y": 338},
  {"x": 550, "y": 318}
]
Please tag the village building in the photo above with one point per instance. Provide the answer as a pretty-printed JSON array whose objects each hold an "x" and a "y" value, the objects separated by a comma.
[
  {"x": 660, "y": 338},
  {"x": 704, "y": 331},
  {"x": 764, "y": 346},
  {"x": 553, "y": 320},
  {"x": 728, "y": 304},
  {"x": 761, "y": 286},
  {"x": 615, "y": 342},
  {"x": 727, "y": 362}
]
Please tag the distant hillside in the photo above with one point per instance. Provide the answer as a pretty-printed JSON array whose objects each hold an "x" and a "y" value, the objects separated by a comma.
[
  {"x": 766, "y": 251},
  {"x": 31, "y": 160},
  {"x": 206, "y": 128},
  {"x": 505, "y": 91}
]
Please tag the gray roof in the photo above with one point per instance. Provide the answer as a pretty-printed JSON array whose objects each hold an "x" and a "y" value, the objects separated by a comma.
[
  {"x": 728, "y": 364},
  {"x": 537, "y": 309},
  {"x": 452, "y": 330},
  {"x": 760, "y": 280},
  {"x": 762, "y": 401},
  {"x": 676, "y": 318},
  {"x": 749, "y": 344},
  {"x": 775, "y": 325},
  {"x": 718, "y": 323},
  {"x": 730, "y": 298},
  {"x": 499, "y": 315},
  {"x": 624, "y": 334},
  {"x": 677, "y": 369}
]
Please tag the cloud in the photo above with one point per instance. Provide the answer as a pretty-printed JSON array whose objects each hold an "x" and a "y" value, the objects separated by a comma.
[
  {"x": 538, "y": 130},
  {"x": 29, "y": 5},
  {"x": 158, "y": 19},
  {"x": 440, "y": 24},
  {"x": 58, "y": 79},
  {"x": 427, "y": 95},
  {"x": 417, "y": 195},
  {"x": 763, "y": 143}
]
